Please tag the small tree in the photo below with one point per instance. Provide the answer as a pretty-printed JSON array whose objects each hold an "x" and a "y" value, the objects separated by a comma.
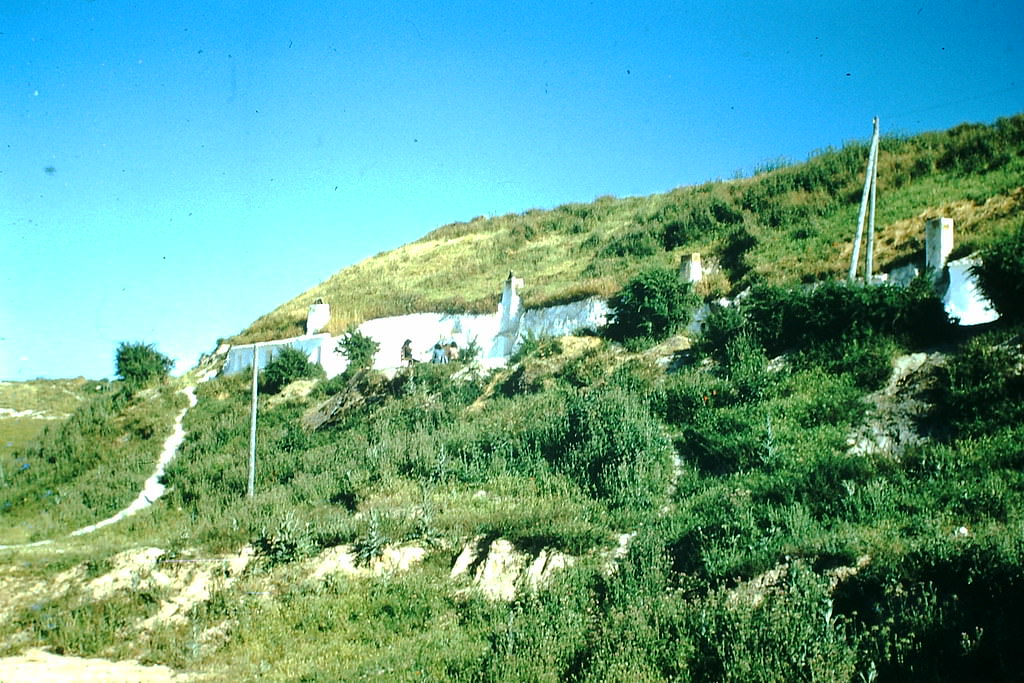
[
  {"x": 140, "y": 364},
  {"x": 287, "y": 366},
  {"x": 1001, "y": 275},
  {"x": 358, "y": 349},
  {"x": 652, "y": 305}
]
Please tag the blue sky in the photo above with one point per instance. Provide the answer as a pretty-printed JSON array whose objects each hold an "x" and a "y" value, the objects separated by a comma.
[{"x": 171, "y": 171}]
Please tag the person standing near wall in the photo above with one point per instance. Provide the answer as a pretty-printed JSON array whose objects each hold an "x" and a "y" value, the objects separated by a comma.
[
  {"x": 407, "y": 352},
  {"x": 439, "y": 355}
]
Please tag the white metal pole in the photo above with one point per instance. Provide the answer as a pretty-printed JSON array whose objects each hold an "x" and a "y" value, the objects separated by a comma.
[
  {"x": 854, "y": 260},
  {"x": 252, "y": 424}
]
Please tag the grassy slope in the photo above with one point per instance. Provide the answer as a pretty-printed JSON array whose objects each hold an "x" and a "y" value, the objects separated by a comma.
[
  {"x": 89, "y": 465},
  {"x": 49, "y": 402},
  {"x": 767, "y": 501},
  {"x": 787, "y": 224}
]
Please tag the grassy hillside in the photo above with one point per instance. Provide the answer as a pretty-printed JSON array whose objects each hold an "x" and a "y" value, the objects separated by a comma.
[
  {"x": 791, "y": 221},
  {"x": 826, "y": 484},
  {"x": 86, "y": 466},
  {"x": 27, "y": 408}
]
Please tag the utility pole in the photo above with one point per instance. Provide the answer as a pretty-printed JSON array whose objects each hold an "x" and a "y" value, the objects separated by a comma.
[
  {"x": 252, "y": 425},
  {"x": 870, "y": 180},
  {"x": 869, "y": 258}
]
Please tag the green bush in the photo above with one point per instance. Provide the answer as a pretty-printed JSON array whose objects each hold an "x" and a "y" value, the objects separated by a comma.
[
  {"x": 653, "y": 305},
  {"x": 288, "y": 365},
  {"x": 981, "y": 388},
  {"x": 746, "y": 367},
  {"x": 637, "y": 243},
  {"x": 972, "y": 148},
  {"x": 866, "y": 359},
  {"x": 736, "y": 244},
  {"x": 946, "y": 609},
  {"x": 704, "y": 219},
  {"x": 785, "y": 319},
  {"x": 1000, "y": 275},
  {"x": 287, "y": 541},
  {"x": 140, "y": 364},
  {"x": 722, "y": 324},
  {"x": 613, "y": 448},
  {"x": 358, "y": 349}
]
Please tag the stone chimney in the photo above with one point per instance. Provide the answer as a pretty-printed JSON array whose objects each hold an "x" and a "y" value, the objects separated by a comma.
[
  {"x": 938, "y": 243},
  {"x": 690, "y": 269},
  {"x": 318, "y": 316},
  {"x": 509, "y": 310}
]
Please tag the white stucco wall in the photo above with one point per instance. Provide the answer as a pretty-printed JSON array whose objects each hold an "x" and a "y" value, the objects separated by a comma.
[
  {"x": 497, "y": 334},
  {"x": 316, "y": 347}
]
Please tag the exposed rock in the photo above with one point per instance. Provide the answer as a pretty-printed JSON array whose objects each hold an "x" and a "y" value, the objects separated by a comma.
[
  {"x": 192, "y": 581},
  {"x": 500, "y": 571},
  {"x": 754, "y": 591},
  {"x": 895, "y": 419},
  {"x": 185, "y": 581},
  {"x": 342, "y": 560},
  {"x": 131, "y": 569}
]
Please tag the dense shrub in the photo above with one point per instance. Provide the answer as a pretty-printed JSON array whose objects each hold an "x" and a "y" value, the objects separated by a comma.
[
  {"x": 704, "y": 219},
  {"x": 140, "y": 364},
  {"x": 652, "y": 305},
  {"x": 972, "y": 148},
  {"x": 736, "y": 244},
  {"x": 721, "y": 324},
  {"x": 791, "y": 319},
  {"x": 1000, "y": 275},
  {"x": 613, "y": 448},
  {"x": 981, "y": 388},
  {"x": 945, "y": 610},
  {"x": 866, "y": 358},
  {"x": 358, "y": 349},
  {"x": 745, "y": 365},
  {"x": 287, "y": 366},
  {"x": 637, "y": 243},
  {"x": 726, "y": 441}
]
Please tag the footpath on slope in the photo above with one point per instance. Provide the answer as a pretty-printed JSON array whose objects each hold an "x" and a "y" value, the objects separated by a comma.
[
  {"x": 38, "y": 665},
  {"x": 152, "y": 488}
]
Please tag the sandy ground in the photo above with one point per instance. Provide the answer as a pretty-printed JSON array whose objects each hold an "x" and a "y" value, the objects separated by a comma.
[{"x": 36, "y": 666}]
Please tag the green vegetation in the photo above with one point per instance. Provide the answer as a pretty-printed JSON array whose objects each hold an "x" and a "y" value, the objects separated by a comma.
[
  {"x": 140, "y": 365},
  {"x": 29, "y": 407},
  {"x": 749, "y": 509},
  {"x": 286, "y": 366},
  {"x": 358, "y": 350},
  {"x": 650, "y": 307},
  {"x": 1001, "y": 274},
  {"x": 88, "y": 466}
]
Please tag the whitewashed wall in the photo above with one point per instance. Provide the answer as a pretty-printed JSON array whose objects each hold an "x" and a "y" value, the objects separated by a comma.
[{"x": 497, "y": 334}]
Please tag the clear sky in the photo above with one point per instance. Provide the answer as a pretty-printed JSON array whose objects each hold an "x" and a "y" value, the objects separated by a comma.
[{"x": 172, "y": 170}]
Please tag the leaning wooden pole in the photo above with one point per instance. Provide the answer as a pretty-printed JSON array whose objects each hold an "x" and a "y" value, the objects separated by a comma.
[
  {"x": 872, "y": 158},
  {"x": 252, "y": 423},
  {"x": 870, "y": 256}
]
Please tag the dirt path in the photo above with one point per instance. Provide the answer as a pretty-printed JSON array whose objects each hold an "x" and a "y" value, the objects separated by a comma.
[{"x": 152, "y": 488}]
